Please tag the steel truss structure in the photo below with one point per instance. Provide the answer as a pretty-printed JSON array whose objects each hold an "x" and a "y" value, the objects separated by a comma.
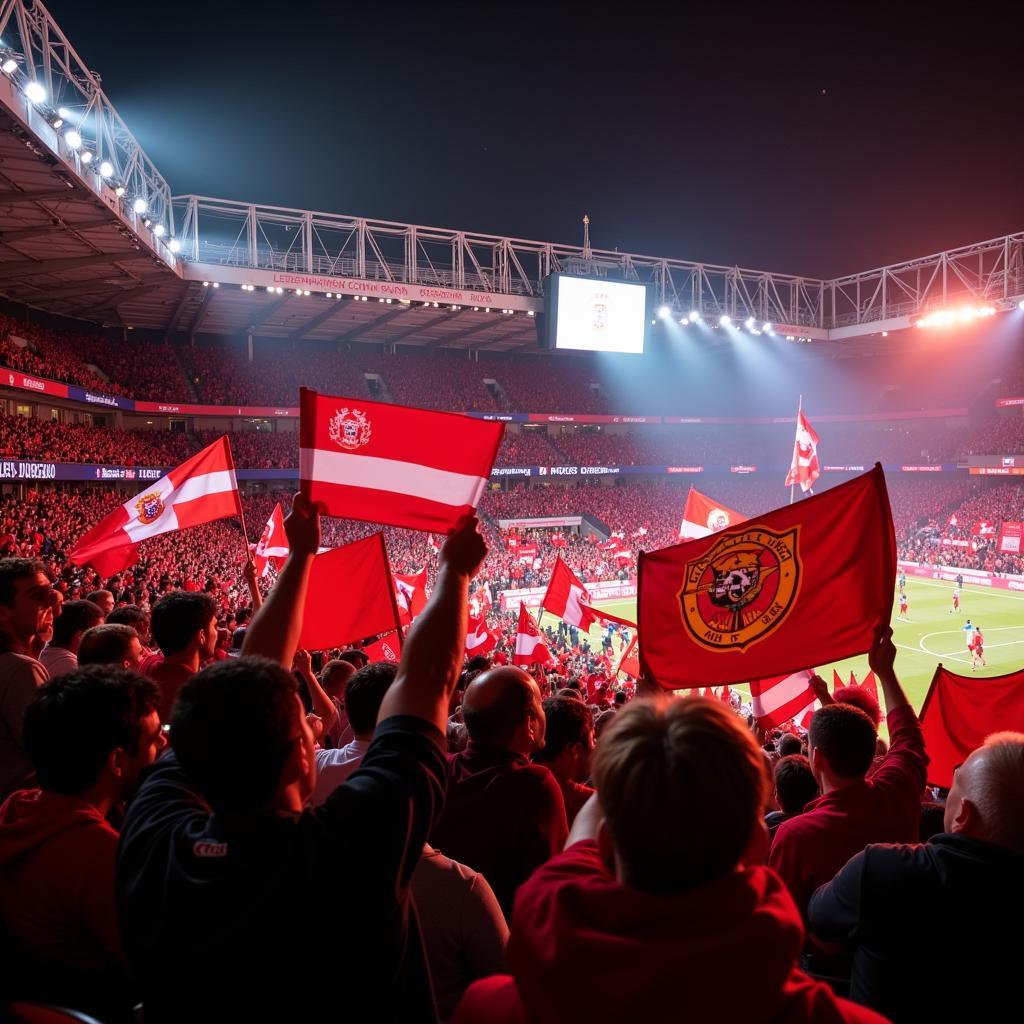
[
  {"x": 242, "y": 237},
  {"x": 44, "y": 55}
]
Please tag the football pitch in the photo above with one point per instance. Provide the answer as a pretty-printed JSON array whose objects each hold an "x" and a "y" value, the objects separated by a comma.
[{"x": 933, "y": 634}]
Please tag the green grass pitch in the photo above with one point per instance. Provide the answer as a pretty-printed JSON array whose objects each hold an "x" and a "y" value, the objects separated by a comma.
[{"x": 933, "y": 634}]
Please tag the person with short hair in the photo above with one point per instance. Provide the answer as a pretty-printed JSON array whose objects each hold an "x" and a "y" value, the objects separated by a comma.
[
  {"x": 28, "y": 606},
  {"x": 89, "y": 733},
  {"x": 111, "y": 644},
  {"x": 138, "y": 618},
  {"x": 103, "y": 599},
  {"x": 503, "y": 815},
  {"x": 858, "y": 697},
  {"x": 795, "y": 788},
  {"x": 789, "y": 744},
  {"x": 60, "y": 655},
  {"x": 955, "y": 900},
  {"x": 225, "y": 880},
  {"x": 363, "y": 698},
  {"x": 567, "y": 751},
  {"x": 334, "y": 679},
  {"x": 662, "y": 884},
  {"x": 184, "y": 627},
  {"x": 854, "y": 809}
]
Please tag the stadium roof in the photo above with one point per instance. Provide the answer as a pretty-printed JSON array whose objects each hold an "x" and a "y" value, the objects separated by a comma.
[{"x": 88, "y": 229}]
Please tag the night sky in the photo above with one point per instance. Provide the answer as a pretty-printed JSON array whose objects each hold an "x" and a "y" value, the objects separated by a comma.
[{"x": 819, "y": 140}]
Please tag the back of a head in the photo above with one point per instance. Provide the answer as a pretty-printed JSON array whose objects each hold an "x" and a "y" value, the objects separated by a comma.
[
  {"x": 178, "y": 616},
  {"x": 795, "y": 783},
  {"x": 232, "y": 727},
  {"x": 75, "y": 617},
  {"x": 495, "y": 704},
  {"x": 846, "y": 736},
  {"x": 568, "y": 721},
  {"x": 357, "y": 659},
  {"x": 99, "y": 596},
  {"x": 365, "y": 694},
  {"x": 682, "y": 785},
  {"x": 570, "y": 694},
  {"x": 335, "y": 677},
  {"x": 238, "y": 638},
  {"x": 993, "y": 780},
  {"x": 107, "y": 644},
  {"x": 477, "y": 664},
  {"x": 789, "y": 744},
  {"x": 859, "y": 698},
  {"x": 76, "y": 720},
  {"x": 130, "y": 615}
]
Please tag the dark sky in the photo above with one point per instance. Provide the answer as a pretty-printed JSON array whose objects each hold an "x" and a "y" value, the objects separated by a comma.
[{"x": 820, "y": 140}]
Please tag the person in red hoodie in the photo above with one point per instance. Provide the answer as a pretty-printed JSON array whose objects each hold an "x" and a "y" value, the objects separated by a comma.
[
  {"x": 88, "y": 734},
  {"x": 662, "y": 881}
]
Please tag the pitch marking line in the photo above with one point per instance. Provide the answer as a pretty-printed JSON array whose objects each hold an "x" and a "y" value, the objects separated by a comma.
[{"x": 974, "y": 592}]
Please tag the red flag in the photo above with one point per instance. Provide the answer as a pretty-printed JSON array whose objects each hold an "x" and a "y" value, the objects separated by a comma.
[
  {"x": 870, "y": 684},
  {"x": 805, "y": 722},
  {"x": 853, "y": 679},
  {"x": 777, "y": 700},
  {"x": 704, "y": 516},
  {"x": 349, "y": 596},
  {"x": 725, "y": 695},
  {"x": 272, "y": 548},
  {"x": 569, "y": 599},
  {"x": 410, "y": 594},
  {"x": 530, "y": 649},
  {"x": 960, "y": 711},
  {"x": 201, "y": 489},
  {"x": 393, "y": 464},
  {"x": 837, "y": 683},
  {"x": 387, "y": 648},
  {"x": 804, "y": 469},
  {"x": 807, "y": 584},
  {"x": 479, "y": 639}
]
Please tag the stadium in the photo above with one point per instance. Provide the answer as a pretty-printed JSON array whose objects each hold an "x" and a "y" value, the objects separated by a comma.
[{"x": 139, "y": 326}]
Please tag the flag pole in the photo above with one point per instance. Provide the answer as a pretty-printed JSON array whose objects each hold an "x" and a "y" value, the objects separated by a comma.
[
  {"x": 799, "y": 410},
  {"x": 241, "y": 508}
]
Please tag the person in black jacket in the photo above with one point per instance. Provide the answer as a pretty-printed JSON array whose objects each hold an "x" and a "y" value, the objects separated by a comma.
[{"x": 950, "y": 908}]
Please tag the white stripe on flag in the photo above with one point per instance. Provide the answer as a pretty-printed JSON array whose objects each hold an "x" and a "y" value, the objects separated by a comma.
[
  {"x": 693, "y": 530},
  {"x": 781, "y": 693},
  {"x": 393, "y": 475},
  {"x": 206, "y": 483}
]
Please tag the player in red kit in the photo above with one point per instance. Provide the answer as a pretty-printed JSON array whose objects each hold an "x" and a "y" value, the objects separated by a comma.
[
  {"x": 977, "y": 649},
  {"x": 903, "y": 606}
]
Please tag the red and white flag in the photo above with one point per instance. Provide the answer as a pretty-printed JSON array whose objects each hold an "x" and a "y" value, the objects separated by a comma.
[
  {"x": 272, "y": 548},
  {"x": 410, "y": 594},
  {"x": 570, "y": 600},
  {"x": 704, "y": 516},
  {"x": 387, "y": 648},
  {"x": 479, "y": 639},
  {"x": 777, "y": 700},
  {"x": 349, "y": 596},
  {"x": 393, "y": 464},
  {"x": 432, "y": 545},
  {"x": 804, "y": 469},
  {"x": 200, "y": 490},
  {"x": 530, "y": 648}
]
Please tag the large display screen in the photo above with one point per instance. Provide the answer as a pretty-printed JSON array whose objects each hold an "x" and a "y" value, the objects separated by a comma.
[{"x": 593, "y": 315}]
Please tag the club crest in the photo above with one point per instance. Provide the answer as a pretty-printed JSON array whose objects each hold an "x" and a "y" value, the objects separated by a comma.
[
  {"x": 718, "y": 519},
  {"x": 349, "y": 429},
  {"x": 150, "y": 507},
  {"x": 741, "y": 589}
]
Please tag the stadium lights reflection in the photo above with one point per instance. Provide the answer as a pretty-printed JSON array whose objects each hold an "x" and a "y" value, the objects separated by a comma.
[
  {"x": 664, "y": 312},
  {"x": 9, "y": 66},
  {"x": 724, "y": 320},
  {"x": 159, "y": 231},
  {"x": 1020, "y": 305},
  {"x": 948, "y": 317},
  {"x": 174, "y": 245},
  {"x": 749, "y": 323},
  {"x": 72, "y": 138},
  {"x": 87, "y": 156},
  {"x": 119, "y": 191},
  {"x": 35, "y": 92},
  {"x": 106, "y": 169},
  {"x": 694, "y": 316},
  {"x": 140, "y": 205}
]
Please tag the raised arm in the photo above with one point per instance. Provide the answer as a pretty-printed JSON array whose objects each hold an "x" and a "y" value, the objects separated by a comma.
[
  {"x": 882, "y": 659},
  {"x": 432, "y": 654},
  {"x": 275, "y": 628}
]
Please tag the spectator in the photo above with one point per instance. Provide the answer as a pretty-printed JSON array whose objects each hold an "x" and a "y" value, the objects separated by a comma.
[
  {"x": 503, "y": 816},
  {"x": 464, "y": 930},
  {"x": 89, "y": 735},
  {"x": 795, "y": 788},
  {"x": 211, "y": 904},
  {"x": 661, "y": 881},
  {"x": 111, "y": 644},
  {"x": 28, "y": 604},
  {"x": 103, "y": 599},
  {"x": 185, "y": 630},
  {"x": 955, "y": 900},
  {"x": 568, "y": 748},
  {"x": 853, "y": 810},
  {"x": 136, "y": 617},
  {"x": 334, "y": 678},
  {"x": 60, "y": 655},
  {"x": 363, "y": 698}
]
